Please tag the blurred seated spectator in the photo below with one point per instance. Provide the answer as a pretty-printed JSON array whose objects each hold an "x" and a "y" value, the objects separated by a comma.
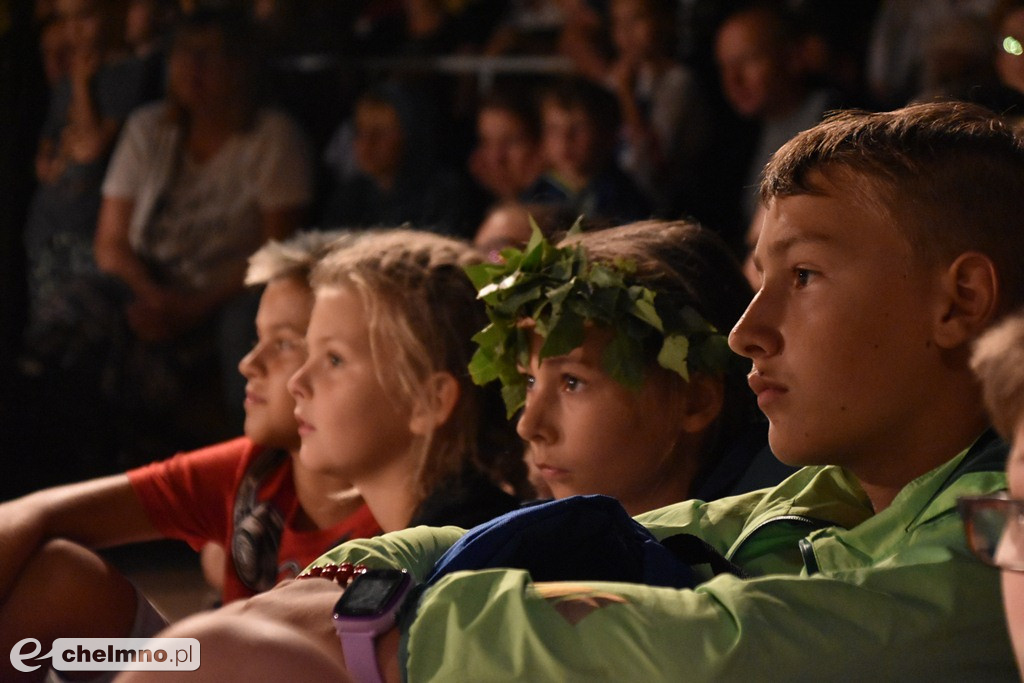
[
  {"x": 580, "y": 120},
  {"x": 196, "y": 185},
  {"x": 394, "y": 178},
  {"x": 898, "y": 46},
  {"x": 765, "y": 78},
  {"x": 86, "y": 109},
  {"x": 666, "y": 120},
  {"x": 507, "y": 158}
]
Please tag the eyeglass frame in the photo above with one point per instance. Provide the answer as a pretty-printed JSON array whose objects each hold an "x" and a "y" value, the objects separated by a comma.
[{"x": 968, "y": 506}]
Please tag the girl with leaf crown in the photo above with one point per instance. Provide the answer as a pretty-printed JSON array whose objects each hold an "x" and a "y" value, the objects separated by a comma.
[{"x": 611, "y": 344}]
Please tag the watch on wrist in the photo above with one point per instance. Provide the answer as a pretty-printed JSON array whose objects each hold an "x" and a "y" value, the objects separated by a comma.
[{"x": 368, "y": 608}]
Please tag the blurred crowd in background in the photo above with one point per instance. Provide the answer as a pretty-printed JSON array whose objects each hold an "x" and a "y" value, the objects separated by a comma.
[{"x": 149, "y": 146}]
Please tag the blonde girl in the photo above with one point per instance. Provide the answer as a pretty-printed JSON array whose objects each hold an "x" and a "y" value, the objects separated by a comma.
[{"x": 384, "y": 398}]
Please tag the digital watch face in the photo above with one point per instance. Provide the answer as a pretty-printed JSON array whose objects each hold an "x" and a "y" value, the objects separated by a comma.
[{"x": 371, "y": 593}]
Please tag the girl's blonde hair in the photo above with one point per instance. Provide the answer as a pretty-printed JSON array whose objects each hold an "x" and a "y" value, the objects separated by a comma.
[{"x": 421, "y": 313}]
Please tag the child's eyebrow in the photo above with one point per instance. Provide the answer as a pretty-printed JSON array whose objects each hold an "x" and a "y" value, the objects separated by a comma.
[
  {"x": 326, "y": 339},
  {"x": 781, "y": 246},
  {"x": 558, "y": 361},
  {"x": 287, "y": 327}
]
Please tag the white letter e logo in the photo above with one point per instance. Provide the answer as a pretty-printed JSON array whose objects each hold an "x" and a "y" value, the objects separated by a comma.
[{"x": 18, "y": 657}]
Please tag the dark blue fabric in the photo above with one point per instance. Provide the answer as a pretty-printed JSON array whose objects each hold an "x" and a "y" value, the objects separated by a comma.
[{"x": 581, "y": 538}]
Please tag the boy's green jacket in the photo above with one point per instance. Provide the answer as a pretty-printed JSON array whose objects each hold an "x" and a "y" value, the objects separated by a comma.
[{"x": 838, "y": 594}]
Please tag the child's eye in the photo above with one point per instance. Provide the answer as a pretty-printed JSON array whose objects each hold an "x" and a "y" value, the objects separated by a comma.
[
  {"x": 529, "y": 380},
  {"x": 334, "y": 359},
  {"x": 802, "y": 276},
  {"x": 288, "y": 344},
  {"x": 572, "y": 383}
]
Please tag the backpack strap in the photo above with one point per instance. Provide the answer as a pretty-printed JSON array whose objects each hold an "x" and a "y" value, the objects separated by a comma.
[{"x": 694, "y": 550}]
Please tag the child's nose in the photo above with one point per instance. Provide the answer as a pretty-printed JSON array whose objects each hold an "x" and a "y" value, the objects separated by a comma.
[
  {"x": 247, "y": 366},
  {"x": 535, "y": 420},
  {"x": 752, "y": 336},
  {"x": 298, "y": 384}
]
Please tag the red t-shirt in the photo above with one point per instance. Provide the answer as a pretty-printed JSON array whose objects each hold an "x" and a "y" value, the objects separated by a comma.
[{"x": 191, "y": 497}]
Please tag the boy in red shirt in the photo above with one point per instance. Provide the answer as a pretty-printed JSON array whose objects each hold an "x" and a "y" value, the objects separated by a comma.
[{"x": 248, "y": 495}]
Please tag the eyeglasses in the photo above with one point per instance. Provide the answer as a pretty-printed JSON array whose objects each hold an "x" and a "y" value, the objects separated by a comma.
[
  {"x": 1012, "y": 46},
  {"x": 994, "y": 526}
]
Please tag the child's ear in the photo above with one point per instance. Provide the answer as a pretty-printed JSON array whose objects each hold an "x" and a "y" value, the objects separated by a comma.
[
  {"x": 971, "y": 288},
  {"x": 441, "y": 393},
  {"x": 703, "y": 400}
]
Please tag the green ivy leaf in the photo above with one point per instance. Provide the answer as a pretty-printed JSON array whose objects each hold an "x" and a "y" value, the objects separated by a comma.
[
  {"x": 623, "y": 360},
  {"x": 482, "y": 366},
  {"x": 672, "y": 356},
  {"x": 513, "y": 302},
  {"x": 643, "y": 308},
  {"x": 565, "y": 334},
  {"x": 483, "y": 274},
  {"x": 514, "y": 396},
  {"x": 562, "y": 292}
]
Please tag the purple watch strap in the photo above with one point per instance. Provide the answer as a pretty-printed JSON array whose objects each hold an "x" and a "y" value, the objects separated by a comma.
[{"x": 361, "y": 656}]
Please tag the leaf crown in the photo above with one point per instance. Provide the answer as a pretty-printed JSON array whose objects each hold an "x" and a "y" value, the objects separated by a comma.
[{"x": 560, "y": 291}]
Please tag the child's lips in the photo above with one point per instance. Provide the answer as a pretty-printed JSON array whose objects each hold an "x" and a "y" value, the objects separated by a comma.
[
  {"x": 765, "y": 389},
  {"x": 304, "y": 427},
  {"x": 550, "y": 472},
  {"x": 253, "y": 398}
]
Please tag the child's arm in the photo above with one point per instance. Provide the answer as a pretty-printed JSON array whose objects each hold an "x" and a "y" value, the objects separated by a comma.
[
  {"x": 924, "y": 621},
  {"x": 415, "y": 550},
  {"x": 97, "y": 514}
]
